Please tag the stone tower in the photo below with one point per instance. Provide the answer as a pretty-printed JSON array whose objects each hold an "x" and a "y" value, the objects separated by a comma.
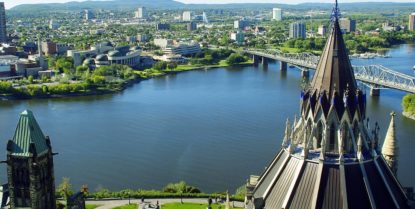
[
  {"x": 329, "y": 156},
  {"x": 30, "y": 166},
  {"x": 390, "y": 147}
]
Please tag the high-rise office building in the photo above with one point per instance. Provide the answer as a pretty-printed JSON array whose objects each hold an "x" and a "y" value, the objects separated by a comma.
[
  {"x": 411, "y": 26},
  {"x": 3, "y": 30},
  {"x": 191, "y": 26},
  {"x": 240, "y": 24},
  {"x": 347, "y": 25},
  {"x": 89, "y": 15},
  {"x": 187, "y": 16},
  {"x": 141, "y": 13},
  {"x": 297, "y": 30},
  {"x": 277, "y": 14}
]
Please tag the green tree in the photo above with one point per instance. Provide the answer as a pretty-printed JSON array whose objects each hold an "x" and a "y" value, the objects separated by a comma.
[
  {"x": 30, "y": 79},
  {"x": 160, "y": 65},
  {"x": 235, "y": 59},
  {"x": 65, "y": 188}
]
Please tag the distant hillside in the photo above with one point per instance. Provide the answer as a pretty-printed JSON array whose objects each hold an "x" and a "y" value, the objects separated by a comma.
[
  {"x": 114, "y": 4},
  {"x": 171, "y": 4}
]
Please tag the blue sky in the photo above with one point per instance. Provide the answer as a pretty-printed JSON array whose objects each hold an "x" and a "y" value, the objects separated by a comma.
[{"x": 11, "y": 3}]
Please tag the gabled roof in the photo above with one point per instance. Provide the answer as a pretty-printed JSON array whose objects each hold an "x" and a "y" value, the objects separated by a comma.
[
  {"x": 28, "y": 132},
  {"x": 334, "y": 71}
]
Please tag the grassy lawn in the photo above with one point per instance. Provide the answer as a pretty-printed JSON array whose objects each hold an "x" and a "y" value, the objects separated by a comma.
[
  {"x": 90, "y": 206},
  {"x": 190, "y": 206},
  {"x": 130, "y": 206}
]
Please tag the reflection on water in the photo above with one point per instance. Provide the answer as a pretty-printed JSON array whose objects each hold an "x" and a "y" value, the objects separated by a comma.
[{"x": 211, "y": 128}]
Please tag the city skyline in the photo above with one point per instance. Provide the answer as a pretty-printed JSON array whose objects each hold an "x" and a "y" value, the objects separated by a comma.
[{"x": 11, "y": 3}]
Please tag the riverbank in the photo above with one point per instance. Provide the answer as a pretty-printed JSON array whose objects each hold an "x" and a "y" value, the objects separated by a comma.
[
  {"x": 140, "y": 76},
  {"x": 408, "y": 115}
]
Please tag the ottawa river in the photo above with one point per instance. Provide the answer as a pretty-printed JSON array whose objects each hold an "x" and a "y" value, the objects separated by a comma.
[{"x": 209, "y": 128}]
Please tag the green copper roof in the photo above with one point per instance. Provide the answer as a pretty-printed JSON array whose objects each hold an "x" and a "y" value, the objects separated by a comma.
[{"x": 27, "y": 132}]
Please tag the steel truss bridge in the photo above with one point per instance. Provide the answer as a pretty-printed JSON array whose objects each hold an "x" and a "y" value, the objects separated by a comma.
[{"x": 374, "y": 76}]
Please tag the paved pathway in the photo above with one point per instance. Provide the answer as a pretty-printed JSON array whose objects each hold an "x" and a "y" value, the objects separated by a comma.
[{"x": 109, "y": 204}]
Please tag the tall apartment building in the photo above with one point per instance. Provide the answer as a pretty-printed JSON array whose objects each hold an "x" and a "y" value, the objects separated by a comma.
[
  {"x": 347, "y": 25},
  {"x": 141, "y": 13},
  {"x": 187, "y": 16},
  {"x": 297, "y": 30},
  {"x": 89, "y": 15},
  {"x": 240, "y": 24},
  {"x": 191, "y": 26},
  {"x": 277, "y": 14},
  {"x": 411, "y": 26},
  {"x": 3, "y": 30}
]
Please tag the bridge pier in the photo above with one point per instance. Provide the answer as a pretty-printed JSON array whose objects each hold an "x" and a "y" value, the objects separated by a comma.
[
  {"x": 255, "y": 58},
  {"x": 305, "y": 73},
  {"x": 283, "y": 66},
  {"x": 374, "y": 92},
  {"x": 264, "y": 61}
]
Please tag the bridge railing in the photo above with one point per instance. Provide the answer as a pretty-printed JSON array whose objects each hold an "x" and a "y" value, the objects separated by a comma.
[
  {"x": 374, "y": 75},
  {"x": 381, "y": 76}
]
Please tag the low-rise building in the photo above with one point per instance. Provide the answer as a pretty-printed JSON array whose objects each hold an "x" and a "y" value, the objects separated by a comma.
[
  {"x": 162, "y": 26},
  {"x": 171, "y": 58},
  {"x": 120, "y": 55},
  {"x": 142, "y": 37},
  {"x": 182, "y": 48},
  {"x": 322, "y": 30},
  {"x": 79, "y": 55}
]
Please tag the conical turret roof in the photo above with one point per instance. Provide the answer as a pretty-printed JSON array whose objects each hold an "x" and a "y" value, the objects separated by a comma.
[
  {"x": 334, "y": 71},
  {"x": 390, "y": 146}
]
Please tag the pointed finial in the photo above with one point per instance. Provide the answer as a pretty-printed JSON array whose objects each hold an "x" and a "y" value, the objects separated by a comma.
[
  {"x": 287, "y": 133},
  {"x": 323, "y": 147},
  {"x": 360, "y": 147},
  {"x": 335, "y": 15}
]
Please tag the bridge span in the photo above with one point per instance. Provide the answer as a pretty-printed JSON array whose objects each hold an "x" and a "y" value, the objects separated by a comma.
[{"x": 376, "y": 77}]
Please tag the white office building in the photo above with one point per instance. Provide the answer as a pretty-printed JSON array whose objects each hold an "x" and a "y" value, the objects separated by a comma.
[
  {"x": 141, "y": 13},
  {"x": 187, "y": 16},
  {"x": 276, "y": 14}
]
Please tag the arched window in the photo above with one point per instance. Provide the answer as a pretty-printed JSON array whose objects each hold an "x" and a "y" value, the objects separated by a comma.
[
  {"x": 355, "y": 131},
  {"x": 332, "y": 139},
  {"x": 308, "y": 131},
  {"x": 347, "y": 142},
  {"x": 319, "y": 135}
]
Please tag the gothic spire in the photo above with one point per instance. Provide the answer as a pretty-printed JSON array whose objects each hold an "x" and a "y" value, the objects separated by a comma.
[{"x": 334, "y": 71}]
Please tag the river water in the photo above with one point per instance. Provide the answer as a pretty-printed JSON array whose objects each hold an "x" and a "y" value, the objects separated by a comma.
[{"x": 210, "y": 128}]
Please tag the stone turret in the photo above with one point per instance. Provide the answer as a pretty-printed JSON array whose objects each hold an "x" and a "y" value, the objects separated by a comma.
[{"x": 390, "y": 146}]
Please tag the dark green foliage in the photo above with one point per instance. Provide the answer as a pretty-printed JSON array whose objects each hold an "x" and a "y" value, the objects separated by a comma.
[
  {"x": 160, "y": 65},
  {"x": 408, "y": 103},
  {"x": 180, "y": 187},
  {"x": 235, "y": 59}
]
